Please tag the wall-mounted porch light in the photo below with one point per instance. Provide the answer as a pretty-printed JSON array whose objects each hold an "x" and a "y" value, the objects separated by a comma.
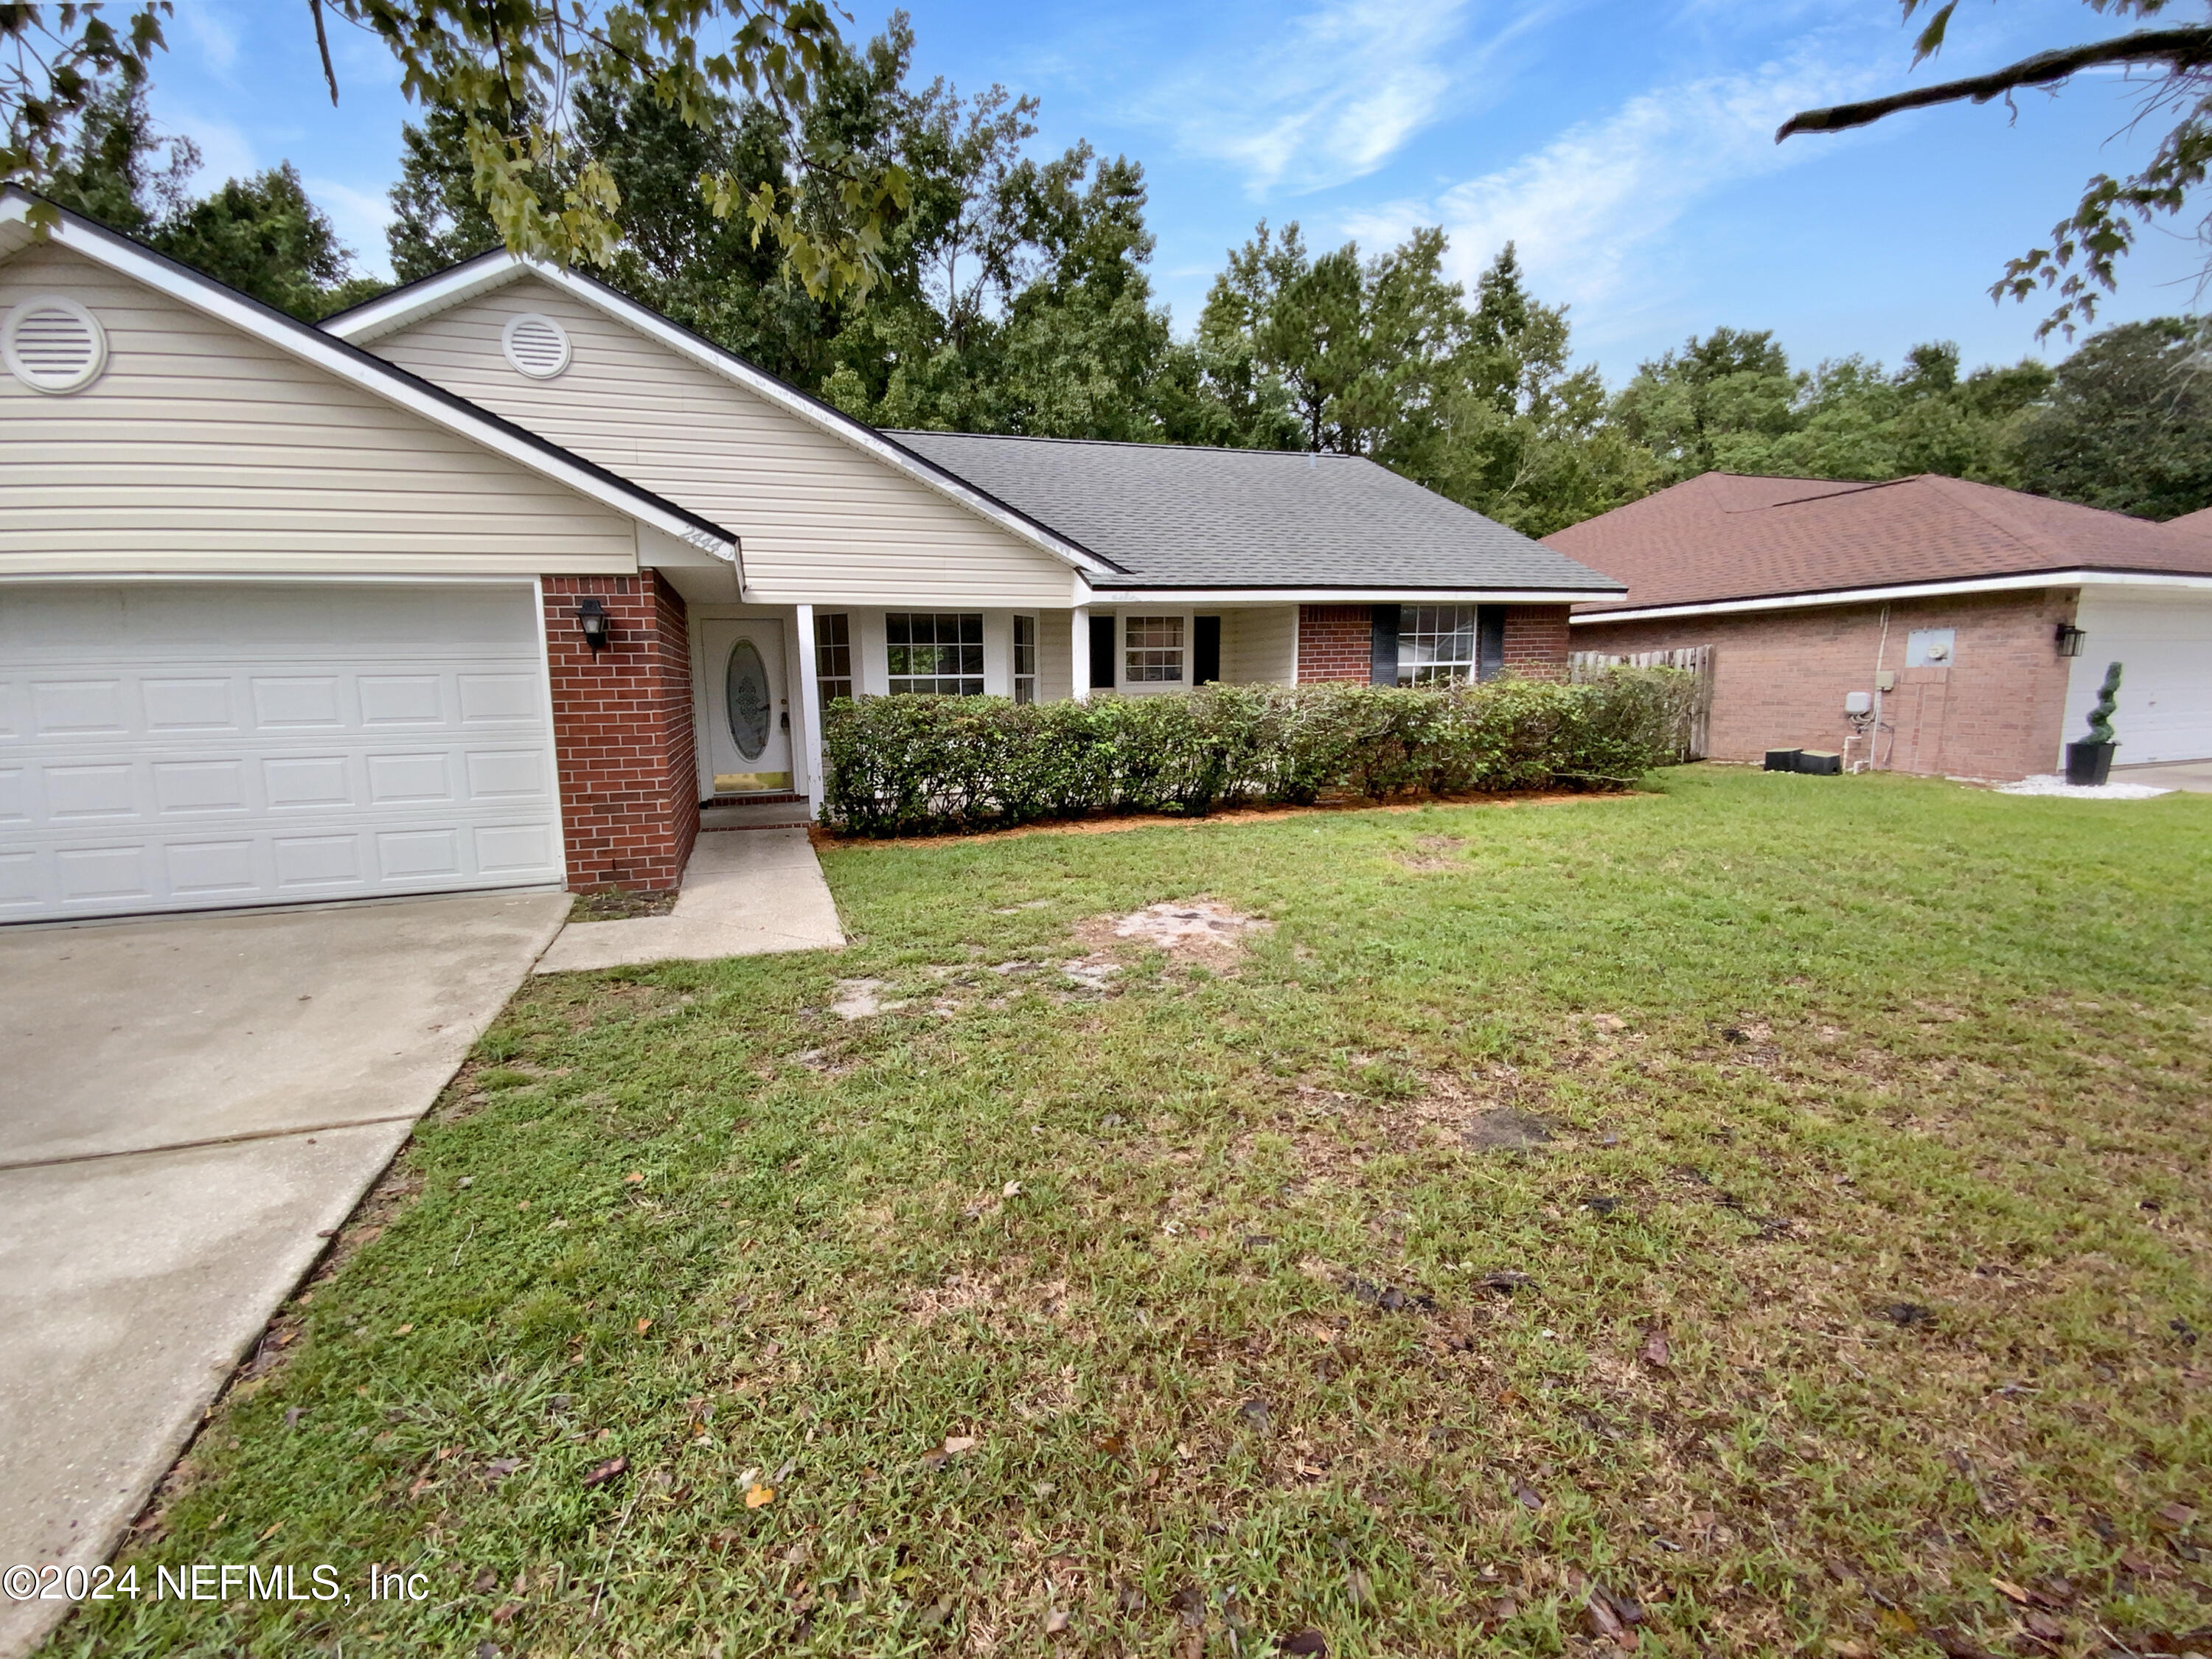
[
  {"x": 592, "y": 617},
  {"x": 2067, "y": 639}
]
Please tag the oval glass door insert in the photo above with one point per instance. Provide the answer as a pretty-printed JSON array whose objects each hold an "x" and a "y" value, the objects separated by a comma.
[{"x": 746, "y": 683}]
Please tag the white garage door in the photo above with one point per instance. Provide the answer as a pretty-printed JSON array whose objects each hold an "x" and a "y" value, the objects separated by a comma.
[
  {"x": 199, "y": 745},
  {"x": 2163, "y": 642}
]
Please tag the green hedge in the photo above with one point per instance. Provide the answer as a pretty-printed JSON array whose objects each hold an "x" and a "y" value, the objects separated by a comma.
[{"x": 918, "y": 765}]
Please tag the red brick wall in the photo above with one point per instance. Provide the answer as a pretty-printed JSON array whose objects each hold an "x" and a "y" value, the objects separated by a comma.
[
  {"x": 1779, "y": 680},
  {"x": 1536, "y": 642},
  {"x": 1335, "y": 642},
  {"x": 623, "y": 734}
]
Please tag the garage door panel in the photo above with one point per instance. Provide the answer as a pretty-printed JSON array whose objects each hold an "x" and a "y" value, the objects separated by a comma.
[
  {"x": 204, "y": 705},
  {"x": 499, "y": 699},
  {"x": 63, "y": 709},
  {"x": 137, "y": 776},
  {"x": 213, "y": 869},
  {"x": 2165, "y": 710}
]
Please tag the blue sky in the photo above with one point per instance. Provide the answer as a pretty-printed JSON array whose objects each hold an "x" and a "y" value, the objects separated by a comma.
[{"x": 1624, "y": 145}]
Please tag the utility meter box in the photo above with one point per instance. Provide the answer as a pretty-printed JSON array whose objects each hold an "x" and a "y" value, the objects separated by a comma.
[
  {"x": 1859, "y": 702},
  {"x": 1931, "y": 647}
]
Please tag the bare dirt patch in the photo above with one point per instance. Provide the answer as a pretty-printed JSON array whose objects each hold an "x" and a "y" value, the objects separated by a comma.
[
  {"x": 1194, "y": 930},
  {"x": 617, "y": 906},
  {"x": 1432, "y": 852}
]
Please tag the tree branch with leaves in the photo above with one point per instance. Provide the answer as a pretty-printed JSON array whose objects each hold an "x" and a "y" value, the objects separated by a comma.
[
  {"x": 2084, "y": 250},
  {"x": 507, "y": 70}
]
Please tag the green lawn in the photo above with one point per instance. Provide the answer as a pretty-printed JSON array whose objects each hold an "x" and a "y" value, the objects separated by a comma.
[{"x": 1851, "y": 1307}]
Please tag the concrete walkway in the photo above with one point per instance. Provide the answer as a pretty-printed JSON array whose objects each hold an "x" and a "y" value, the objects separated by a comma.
[
  {"x": 189, "y": 1107},
  {"x": 746, "y": 892},
  {"x": 2194, "y": 776}
]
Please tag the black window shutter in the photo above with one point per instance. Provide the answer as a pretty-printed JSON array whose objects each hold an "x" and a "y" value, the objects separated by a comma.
[
  {"x": 1384, "y": 669},
  {"x": 1206, "y": 650},
  {"x": 1101, "y": 654},
  {"x": 1489, "y": 641}
]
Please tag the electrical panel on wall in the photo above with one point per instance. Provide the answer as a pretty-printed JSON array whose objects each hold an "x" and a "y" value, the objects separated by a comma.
[{"x": 1931, "y": 647}]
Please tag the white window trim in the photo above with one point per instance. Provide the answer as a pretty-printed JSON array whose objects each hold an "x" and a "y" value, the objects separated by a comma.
[{"x": 1122, "y": 684}]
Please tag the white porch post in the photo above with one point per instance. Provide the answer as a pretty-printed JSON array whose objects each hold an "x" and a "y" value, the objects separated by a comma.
[
  {"x": 810, "y": 709},
  {"x": 1078, "y": 653}
]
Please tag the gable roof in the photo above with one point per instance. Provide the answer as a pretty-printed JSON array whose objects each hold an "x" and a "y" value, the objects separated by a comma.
[
  {"x": 1180, "y": 518},
  {"x": 2198, "y": 523},
  {"x": 403, "y": 307},
  {"x": 250, "y": 316},
  {"x": 1722, "y": 538}
]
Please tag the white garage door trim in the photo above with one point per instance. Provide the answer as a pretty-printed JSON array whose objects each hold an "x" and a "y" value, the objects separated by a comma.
[
  {"x": 2163, "y": 640},
  {"x": 190, "y": 746}
]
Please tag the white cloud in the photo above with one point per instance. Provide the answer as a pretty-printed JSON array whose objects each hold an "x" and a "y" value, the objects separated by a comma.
[
  {"x": 214, "y": 32},
  {"x": 1334, "y": 92},
  {"x": 360, "y": 217},
  {"x": 1590, "y": 210}
]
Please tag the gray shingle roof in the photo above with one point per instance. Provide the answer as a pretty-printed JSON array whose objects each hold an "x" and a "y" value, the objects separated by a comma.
[{"x": 1174, "y": 517}]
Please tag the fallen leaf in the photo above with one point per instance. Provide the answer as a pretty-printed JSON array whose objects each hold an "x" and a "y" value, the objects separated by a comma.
[
  {"x": 634, "y": 1178},
  {"x": 2172, "y": 1517},
  {"x": 486, "y": 1582},
  {"x": 1844, "y": 1649},
  {"x": 756, "y": 1497},
  {"x": 403, "y": 1330},
  {"x": 505, "y": 1612},
  {"x": 1359, "y": 1588},
  {"x": 607, "y": 1471},
  {"x": 1655, "y": 1353},
  {"x": 2043, "y": 1625},
  {"x": 2011, "y": 1591},
  {"x": 1012, "y": 1189},
  {"x": 1508, "y": 1282},
  {"x": 1308, "y": 1642},
  {"x": 1603, "y": 1622},
  {"x": 500, "y": 1467},
  {"x": 1057, "y": 1620},
  {"x": 1528, "y": 1496},
  {"x": 953, "y": 1445},
  {"x": 643, "y": 1326}
]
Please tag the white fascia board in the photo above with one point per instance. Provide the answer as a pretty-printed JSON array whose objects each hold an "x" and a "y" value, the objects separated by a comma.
[
  {"x": 1906, "y": 591},
  {"x": 464, "y": 282},
  {"x": 390, "y": 313},
  {"x": 212, "y": 299},
  {"x": 1262, "y": 596}
]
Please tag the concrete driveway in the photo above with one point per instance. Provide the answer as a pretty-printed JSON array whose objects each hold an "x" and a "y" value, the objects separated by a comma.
[{"x": 187, "y": 1108}]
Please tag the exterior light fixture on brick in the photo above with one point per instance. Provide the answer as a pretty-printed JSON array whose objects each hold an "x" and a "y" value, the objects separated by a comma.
[
  {"x": 592, "y": 617},
  {"x": 2068, "y": 640}
]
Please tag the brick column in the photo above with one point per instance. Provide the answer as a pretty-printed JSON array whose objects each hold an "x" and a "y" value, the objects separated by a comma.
[
  {"x": 622, "y": 732},
  {"x": 1536, "y": 645},
  {"x": 1335, "y": 642}
]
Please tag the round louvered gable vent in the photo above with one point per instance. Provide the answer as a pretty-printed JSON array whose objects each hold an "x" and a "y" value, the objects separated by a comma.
[
  {"x": 536, "y": 346},
  {"x": 53, "y": 345}
]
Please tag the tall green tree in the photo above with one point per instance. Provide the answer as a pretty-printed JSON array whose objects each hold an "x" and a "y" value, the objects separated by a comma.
[
  {"x": 262, "y": 235},
  {"x": 2128, "y": 424}
]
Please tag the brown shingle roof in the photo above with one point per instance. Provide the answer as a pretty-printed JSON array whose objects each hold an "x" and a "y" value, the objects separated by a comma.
[{"x": 1722, "y": 537}]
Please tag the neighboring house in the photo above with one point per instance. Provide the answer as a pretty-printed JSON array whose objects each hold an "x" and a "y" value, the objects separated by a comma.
[
  {"x": 290, "y": 613},
  {"x": 1980, "y": 619}
]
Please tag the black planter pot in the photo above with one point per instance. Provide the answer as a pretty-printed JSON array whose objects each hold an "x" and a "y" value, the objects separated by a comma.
[{"x": 2089, "y": 763}]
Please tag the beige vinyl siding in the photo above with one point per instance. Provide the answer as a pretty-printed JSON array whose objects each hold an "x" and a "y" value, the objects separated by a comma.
[
  {"x": 1055, "y": 655},
  {"x": 201, "y": 448},
  {"x": 820, "y": 521},
  {"x": 1259, "y": 646}
]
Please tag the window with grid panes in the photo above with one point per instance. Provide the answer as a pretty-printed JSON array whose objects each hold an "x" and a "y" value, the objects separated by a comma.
[
  {"x": 935, "y": 653},
  {"x": 1152, "y": 651},
  {"x": 1026, "y": 658},
  {"x": 1437, "y": 644},
  {"x": 833, "y": 656}
]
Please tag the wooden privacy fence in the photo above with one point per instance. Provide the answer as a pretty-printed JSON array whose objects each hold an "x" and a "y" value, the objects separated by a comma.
[{"x": 1696, "y": 660}]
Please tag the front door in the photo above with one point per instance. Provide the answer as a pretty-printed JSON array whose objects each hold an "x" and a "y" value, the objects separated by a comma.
[{"x": 748, "y": 715}]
